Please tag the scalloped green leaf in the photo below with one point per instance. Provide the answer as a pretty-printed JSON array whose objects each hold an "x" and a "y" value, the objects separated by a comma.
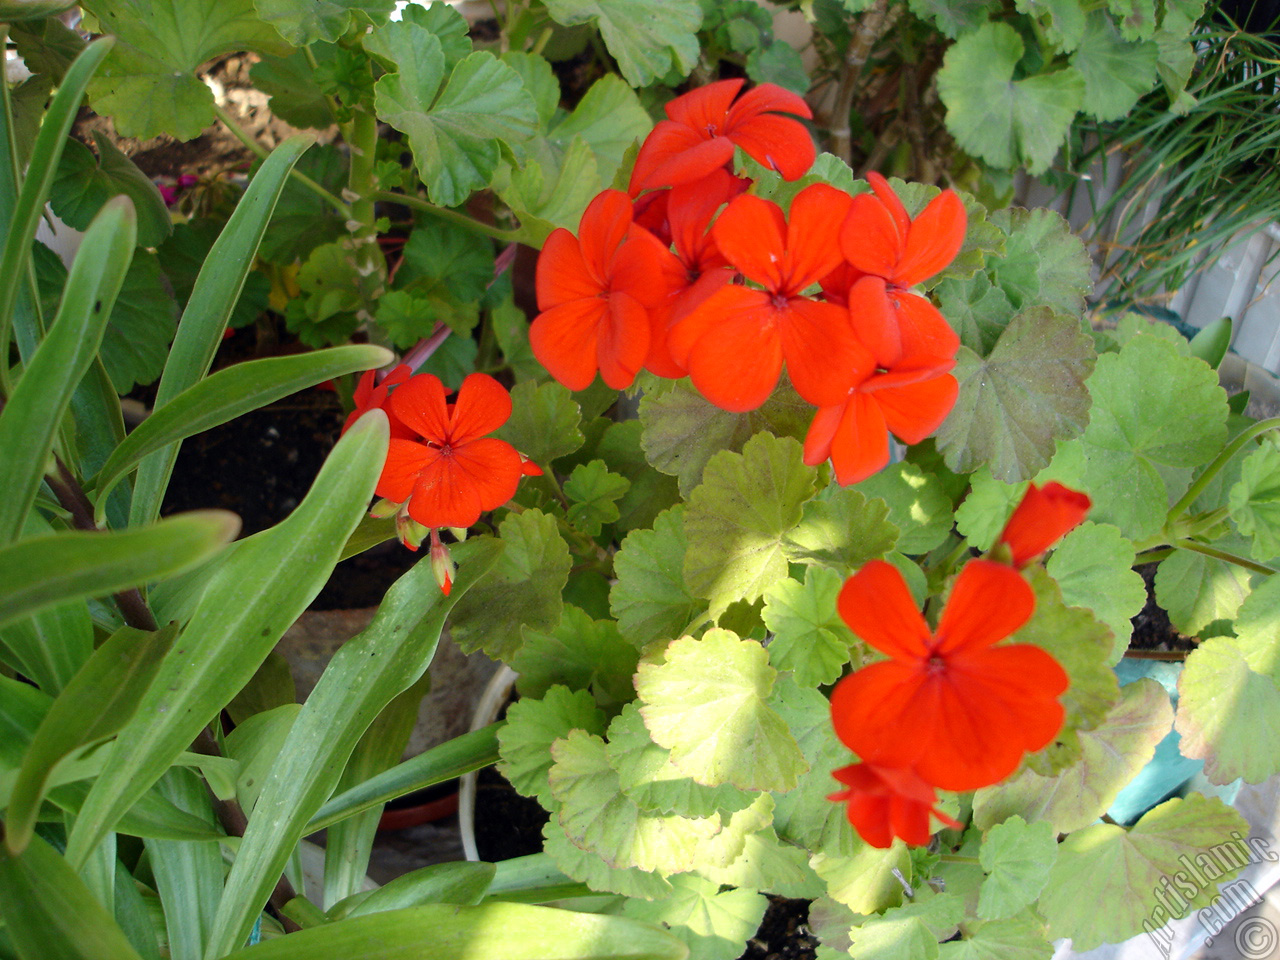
[
  {"x": 1094, "y": 568},
  {"x": 649, "y": 597},
  {"x": 918, "y": 505},
  {"x": 978, "y": 309},
  {"x": 533, "y": 726},
  {"x": 682, "y": 431},
  {"x": 85, "y": 182},
  {"x": 302, "y": 22},
  {"x": 805, "y": 816},
  {"x": 545, "y": 422},
  {"x": 953, "y": 17},
  {"x": 599, "y": 817},
  {"x": 714, "y": 924},
  {"x": 1044, "y": 264},
  {"x": 1017, "y": 938},
  {"x": 582, "y": 654},
  {"x": 148, "y": 85},
  {"x": 738, "y": 519},
  {"x": 1017, "y": 404},
  {"x": 593, "y": 493},
  {"x": 455, "y": 126},
  {"x": 1065, "y": 20},
  {"x": 1111, "y": 754},
  {"x": 986, "y": 508},
  {"x": 707, "y": 704},
  {"x": 1116, "y": 72},
  {"x": 1255, "y": 502},
  {"x": 588, "y": 867},
  {"x": 841, "y": 528},
  {"x": 1229, "y": 701},
  {"x": 647, "y": 775},
  {"x": 864, "y": 880},
  {"x": 1156, "y": 414},
  {"x": 522, "y": 589},
  {"x": 650, "y": 492},
  {"x": 766, "y": 863},
  {"x": 1196, "y": 589},
  {"x": 649, "y": 42},
  {"x": 1082, "y": 645},
  {"x": 1004, "y": 121},
  {"x": 809, "y": 638},
  {"x": 1017, "y": 857},
  {"x": 1124, "y": 869}
]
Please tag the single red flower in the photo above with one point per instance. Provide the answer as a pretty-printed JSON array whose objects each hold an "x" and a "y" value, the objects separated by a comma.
[
  {"x": 704, "y": 125},
  {"x": 881, "y": 239},
  {"x": 888, "y": 802},
  {"x": 455, "y": 472},
  {"x": 734, "y": 343},
  {"x": 910, "y": 400},
  {"x": 596, "y": 291},
  {"x": 371, "y": 394},
  {"x": 948, "y": 703},
  {"x": 1044, "y": 515}
]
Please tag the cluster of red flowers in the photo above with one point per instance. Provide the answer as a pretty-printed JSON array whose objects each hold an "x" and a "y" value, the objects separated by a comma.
[
  {"x": 442, "y": 470},
  {"x": 687, "y": 273},
  {"x": 949, "y": 709}
]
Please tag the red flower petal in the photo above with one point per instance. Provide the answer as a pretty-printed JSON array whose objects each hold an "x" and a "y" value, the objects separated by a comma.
[
  {"x": 623, "y": 343},
  {"x": 884, "y": 193},
  {"x": 876, "y": 605},
  {"x": 673, "y": 154},
  {"x": 934, "y": 239},
  {"x": 493, "y": 469},
  {"x": 405, "y": 460},
  {"x": 562, "y": 274},
  {"x": 988, "y": 603},
  {"x": 766, "y": 98},
  {"x": 880, "y": 714},
  {"x": 751, "y": 233},
  {"x": 915, "y": 410},
  {"x": 736, "y": 363},
  {"x": 442, "y": 497},
  {"x": 419, "y": 403},
  {"x": 705, "y": 106},
  {"x": 603, "y": 227},
  {"x": 874, "y": 319},
  {"x": 924, "y": 330},
  {"x": 813, "y": 236},
  {"x": 1043, "y": 516},
  {"x": 564, "y": 340},
  {"x": 778, "y": 143},
  {"x": 823, "y": 357},
  {"x": 869, "y": 238},
  {"x": 482, "y": 406},
  {"x": 858, "y": 443}
]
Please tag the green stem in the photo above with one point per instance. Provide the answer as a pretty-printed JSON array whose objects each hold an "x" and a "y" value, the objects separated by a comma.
[
  {"x": 304, "y": 913},
  {"x": 329, "y": 100},
  {"x": 444, "y": 213},
  {"x": 541, "y": 42},
  {"x": 1196, "y": 547},
  {"x": 1152, "y": 556},
  {"x": 362, "y": 183},
  {"x": 1211, "y": 471},
  {"x": 262, "y": 153}
]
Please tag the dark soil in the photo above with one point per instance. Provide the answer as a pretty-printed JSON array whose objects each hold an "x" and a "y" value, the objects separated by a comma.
[
  {"x": 261, "y": 465},
  {"x": 1153, "y": 633}
]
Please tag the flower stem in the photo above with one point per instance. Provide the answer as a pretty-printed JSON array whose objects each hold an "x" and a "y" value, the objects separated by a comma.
[
  {"x": 1211, "y": 471},
  {"x": 262, "y": 152},
  {"x": 444, "y": 213},
  {"x": 1196, "y": 547}
]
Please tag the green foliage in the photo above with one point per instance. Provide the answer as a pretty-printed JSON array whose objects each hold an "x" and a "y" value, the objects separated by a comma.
[
  {"x": 85, "y": 182},
  {"x": 648, "y": 42},
  {"x": 593, "y": 492},
  {"x": 582, "y": 654},
  {"x": 842, "y": 529},
  {"x": 1093, "y": 566},
  {"x": 533, "y": 725},
  {"x": 650, "y": 599},
  {"x": 738, "y": 518},
  {"x": 809, "y": 638},
  {"x": 1017, "y": 857}
]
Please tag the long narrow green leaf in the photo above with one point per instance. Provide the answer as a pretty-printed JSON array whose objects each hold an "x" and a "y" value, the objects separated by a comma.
[
  {"x": 226, "y": 395},
  {"x": 348, "y": 844},
  {"x": 43, "y": 571},
  {"x": 490, "y": 931},
  {"x": 188, "y": 875},
  {"x": 50, "y": 913},
  {"x": 361, "y": 679},
  {"x": 459, "y": 882},
  {"x": 471, "y": 751},
  {"x": 36, "y": 407},
  {"x": 244, "y": 611},
  {"x": 41, "y": 169},
  {"x": 134, "y": 917},
  {"x": 216, "y": 290},
  {"x": 95, "y": 706}
]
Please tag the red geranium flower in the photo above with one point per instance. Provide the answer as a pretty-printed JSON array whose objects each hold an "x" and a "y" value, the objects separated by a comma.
[
  {"x": 595, "y": 292},
  {"x": 948, "y": 703},
  {"x": 734, "y": 343},
  {"x": 704, "y": 125},
  {"x": 888, "y": 802},
  {"x": 455, "y": 473},
  {"x": 894, "y": 252},
  {"x": 1042, "y": 518},
  {"x": 370, "y": 397},
  {"x": 910, "y": 400}
]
